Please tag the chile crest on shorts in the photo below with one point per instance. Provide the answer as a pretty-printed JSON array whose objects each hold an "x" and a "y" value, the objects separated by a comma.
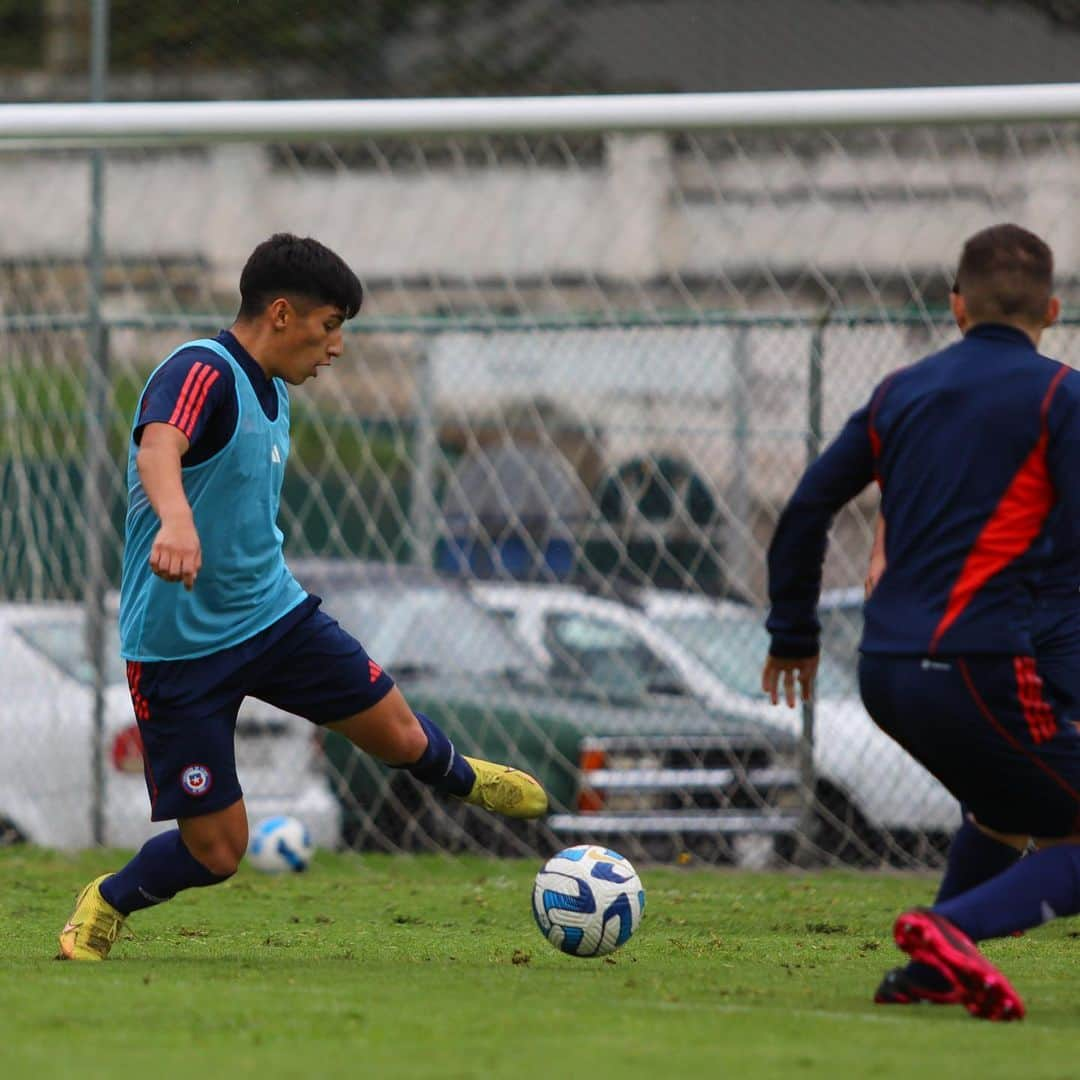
[{"x": 196, "y": 780}]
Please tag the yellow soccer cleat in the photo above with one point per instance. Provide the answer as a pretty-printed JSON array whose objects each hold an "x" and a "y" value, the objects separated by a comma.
[
  {"x": 93, "y": 926},
  {"x": 506, "y": 791}
]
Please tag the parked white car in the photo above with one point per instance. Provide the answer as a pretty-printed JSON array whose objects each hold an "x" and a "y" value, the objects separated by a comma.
[
  {"x": 713, "y": 650},
  {"x": 47, "y": 768}
]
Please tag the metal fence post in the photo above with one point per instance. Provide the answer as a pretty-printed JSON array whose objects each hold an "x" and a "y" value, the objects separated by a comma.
[
  {"x": 96, "y": 525},
  {"x": 422, "y": 524},
  {"x": 814, "y": 435},
  {"x": 739, "y": 498},
  {"x": 96, "y": 465}
]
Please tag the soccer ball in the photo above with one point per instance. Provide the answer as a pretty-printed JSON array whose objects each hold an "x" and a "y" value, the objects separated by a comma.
[
  {"x": 280, "y": 844},
  {"x": 587, "y": 900}
]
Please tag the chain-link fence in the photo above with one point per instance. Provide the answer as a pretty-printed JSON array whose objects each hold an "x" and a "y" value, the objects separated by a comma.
[{"x": 539, "y": 484}]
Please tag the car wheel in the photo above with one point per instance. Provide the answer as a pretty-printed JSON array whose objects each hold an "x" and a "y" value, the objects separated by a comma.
[
  {"x": 10, "y": 833},
  {"x": 408, "y": 816},
  {"x": 838, "y": 833}
]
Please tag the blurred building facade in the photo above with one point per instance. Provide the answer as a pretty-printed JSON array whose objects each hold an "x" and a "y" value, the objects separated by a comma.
[{"x": 550, "y": 224}]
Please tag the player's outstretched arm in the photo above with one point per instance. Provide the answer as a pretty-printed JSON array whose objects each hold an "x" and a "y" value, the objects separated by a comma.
[
  {"x": 797, "y": 554},
  {"x": 176, "y": 554}
]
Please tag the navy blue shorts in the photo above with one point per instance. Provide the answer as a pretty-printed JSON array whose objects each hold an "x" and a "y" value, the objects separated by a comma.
[
  {"x": 990, "y": 729},
  {"x": 186, "y": 709}
]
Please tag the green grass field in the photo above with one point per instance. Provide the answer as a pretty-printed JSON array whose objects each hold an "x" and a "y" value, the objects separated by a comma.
[{"x": 432, "y": 967}]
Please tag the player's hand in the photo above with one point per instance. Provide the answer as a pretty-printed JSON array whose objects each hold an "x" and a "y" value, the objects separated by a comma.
[
  {"x": 783, "y": 673},
  {"x": 877, "y": 559},
  {"x": 177, "y": 553},
  {"x": 873, "y": 574}
]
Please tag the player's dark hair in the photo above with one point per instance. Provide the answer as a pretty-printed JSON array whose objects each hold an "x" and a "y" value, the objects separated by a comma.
[
  {"x": 299, "y": 267},
  {"x": 1006, "y": 273}
]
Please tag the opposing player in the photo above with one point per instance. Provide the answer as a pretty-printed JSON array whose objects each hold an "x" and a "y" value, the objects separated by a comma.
[
  {"x": 973, "y": 447},
  {"x": 209, "y": 612},
  {"x": 976, "y": 856}
]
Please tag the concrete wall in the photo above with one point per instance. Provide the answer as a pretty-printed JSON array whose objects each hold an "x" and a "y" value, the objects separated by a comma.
[{"x": 839, "y": 211}]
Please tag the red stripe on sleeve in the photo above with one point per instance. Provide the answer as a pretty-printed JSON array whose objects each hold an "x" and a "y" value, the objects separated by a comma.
[
  {"x": 1016, "y": 521},
  {"x": 188, "y": 424},
  {"x": 181, "y": 401},
  {"x": 193, "y": 396}
]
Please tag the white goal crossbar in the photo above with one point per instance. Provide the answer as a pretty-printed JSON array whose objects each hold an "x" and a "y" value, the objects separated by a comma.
[{"x": 153, "y": 122}]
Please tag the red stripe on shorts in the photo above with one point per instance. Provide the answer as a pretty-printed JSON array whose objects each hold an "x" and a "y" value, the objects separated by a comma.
[
  {"x": 1015, "y": 743},
  {"x": 1037, "y": 712}
]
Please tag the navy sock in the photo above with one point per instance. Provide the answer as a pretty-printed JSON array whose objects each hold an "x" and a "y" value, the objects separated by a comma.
[
  {"x": 161, "y": 869},
  {"x": 974, "y": 858},
  {"x": 440, "y": 765},
  {"x": 1040, "y": 887}
]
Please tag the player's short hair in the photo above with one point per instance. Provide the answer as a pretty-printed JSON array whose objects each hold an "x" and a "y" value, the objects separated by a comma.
[
  {"x": 1007, "y": 273},
  {"x": 301, "y": 268}
]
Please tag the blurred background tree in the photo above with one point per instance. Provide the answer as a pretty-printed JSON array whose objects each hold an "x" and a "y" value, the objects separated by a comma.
[
  {"x": 372, "y": 49},
  {"x": 213, "y": 49}
]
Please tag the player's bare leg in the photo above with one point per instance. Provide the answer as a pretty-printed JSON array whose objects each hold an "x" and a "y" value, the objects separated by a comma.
[
  {"x": 1041, "y": 842},
  {"x": 393, "y": 733},
  {"x": 1018, "y": 841},
  {"x": 217, "y": 840}
]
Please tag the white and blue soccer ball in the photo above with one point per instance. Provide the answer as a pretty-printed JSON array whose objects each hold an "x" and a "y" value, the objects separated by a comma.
[
  {"x": 588, "y": 900},
  {"x": 280, "y": 845}
]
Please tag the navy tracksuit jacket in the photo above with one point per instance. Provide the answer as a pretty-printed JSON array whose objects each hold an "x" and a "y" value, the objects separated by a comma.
[{"x": 974, "y": 448}]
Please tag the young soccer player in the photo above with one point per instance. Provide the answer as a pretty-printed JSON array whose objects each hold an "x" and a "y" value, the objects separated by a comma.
[
  {"x": 973, "y": 448},
  {"x": 209, "y": 612}
]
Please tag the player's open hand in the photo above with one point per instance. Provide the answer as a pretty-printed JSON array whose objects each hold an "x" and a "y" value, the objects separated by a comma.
[
  {"x": 779, "y": 673},
  {"x": 877, "y": 559},
  {"x": 177, "y": 552}
]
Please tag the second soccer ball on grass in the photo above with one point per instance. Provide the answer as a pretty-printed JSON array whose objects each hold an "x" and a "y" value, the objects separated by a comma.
[
  {"x": 280, "y": 845},
  {"x": 588, "y": 900}
]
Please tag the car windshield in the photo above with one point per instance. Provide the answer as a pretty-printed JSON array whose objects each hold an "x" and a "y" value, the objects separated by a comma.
[
  {"x": 735, "y": 648},
  {"x": 607, "y": 656},
  {"x": 431, "y": 629},
  {"x": 63, "y": 641}
]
